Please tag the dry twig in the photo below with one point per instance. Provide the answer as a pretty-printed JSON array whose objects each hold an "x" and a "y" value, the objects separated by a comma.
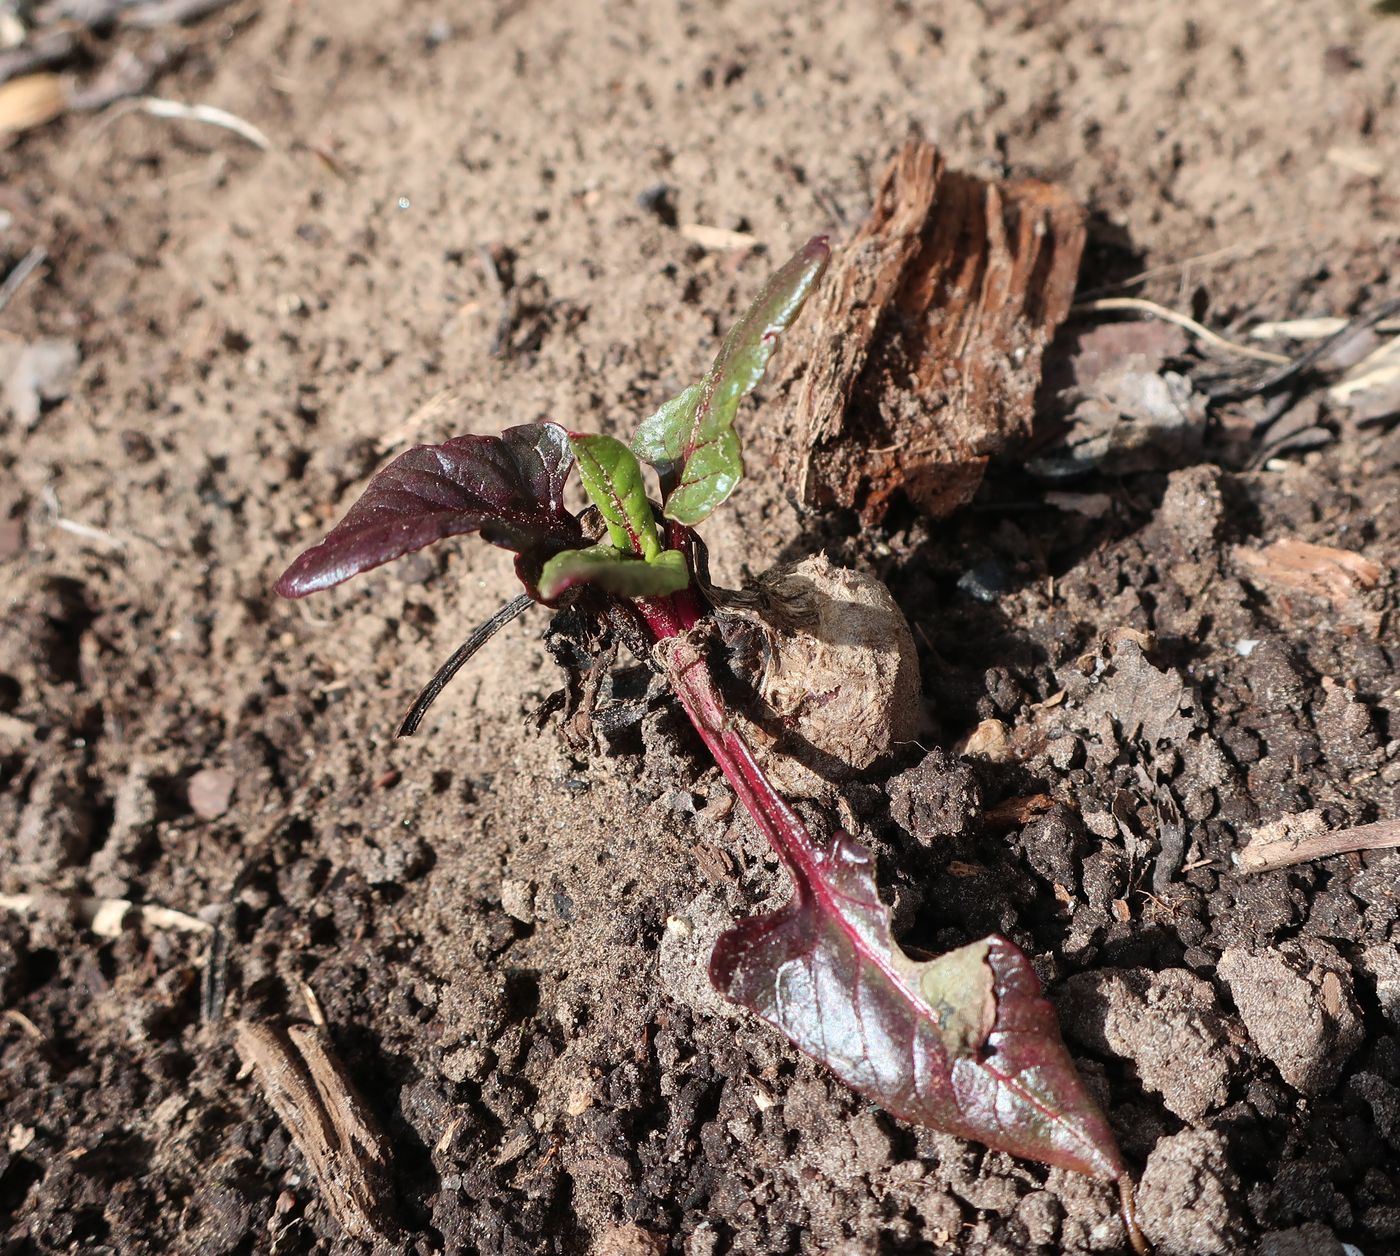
[
  {"x": 106, "y": 917},
  {"x": 1298, "y": 839},
  {"x": 177, "y": 110},
  {"x": 25, "y": 267},
  {"x": 18, "y": 1018},
  {"x": 716, "y": 239}
]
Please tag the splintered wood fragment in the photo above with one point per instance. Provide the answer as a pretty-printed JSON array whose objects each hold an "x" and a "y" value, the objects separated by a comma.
[
  {"x": 920, "y": 358},
  {"x": 333, "y": 1128},
  {"x": 1300, "y": 838},
  {"x": 1011, "y": 812},
  {"x": 1322, "y": 570}
]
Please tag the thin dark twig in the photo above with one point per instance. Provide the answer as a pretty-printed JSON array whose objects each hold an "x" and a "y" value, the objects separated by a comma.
[
  {"x": 26, "y": 266},
  {"x": 500, "y": 342},
  {"x": 213, "y": 985},
  {"x": 443, "y": 677}
]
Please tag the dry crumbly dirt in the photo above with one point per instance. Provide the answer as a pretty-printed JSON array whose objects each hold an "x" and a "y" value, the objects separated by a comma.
[{"x": 507, "y": 935}]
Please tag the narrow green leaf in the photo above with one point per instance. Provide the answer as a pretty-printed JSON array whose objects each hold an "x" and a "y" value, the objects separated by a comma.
[
  {"x": 612, "y": 477},
  {"x": 616, "y": 571},
  {"x": 691, "y": 439},
  {"x": 743, "y": 357}
]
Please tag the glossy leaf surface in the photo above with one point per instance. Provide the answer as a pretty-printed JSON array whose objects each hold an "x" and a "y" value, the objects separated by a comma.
[
  {"x": 510, "y": 488},
  {"x": 691, "y": 439},
  {"x": 612, "y": 478},
  {"x": 614, "y": 571},
  {"x": 964, "y": 1043}
]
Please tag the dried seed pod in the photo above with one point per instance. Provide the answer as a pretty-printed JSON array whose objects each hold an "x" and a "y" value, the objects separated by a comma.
[{"x": 841, "y": 681}]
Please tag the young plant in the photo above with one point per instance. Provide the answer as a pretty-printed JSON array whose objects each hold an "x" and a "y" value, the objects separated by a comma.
[{"x": 965, "y": 1042}]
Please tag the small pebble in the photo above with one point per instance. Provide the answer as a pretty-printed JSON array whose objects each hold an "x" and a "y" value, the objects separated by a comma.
[{"x": 210, "y": 791}]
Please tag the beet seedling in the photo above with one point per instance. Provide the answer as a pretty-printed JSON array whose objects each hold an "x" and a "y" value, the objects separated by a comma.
[{"x": 965, "y": 1042}]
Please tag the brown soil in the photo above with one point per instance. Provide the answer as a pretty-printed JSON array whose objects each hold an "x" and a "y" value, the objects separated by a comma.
[{"x": 505, "y": 935}]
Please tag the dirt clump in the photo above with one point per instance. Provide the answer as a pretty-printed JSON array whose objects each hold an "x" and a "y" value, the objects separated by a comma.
[
  {"x": 1298, "y": 1004},
  {"x": 938, "y": 797},
  {"x": 1168, "y": 1025},
  {"x": 1186, "y": 1198}
]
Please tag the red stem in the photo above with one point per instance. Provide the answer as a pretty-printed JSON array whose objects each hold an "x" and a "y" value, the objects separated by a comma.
[{"x": 668, "y": 619}]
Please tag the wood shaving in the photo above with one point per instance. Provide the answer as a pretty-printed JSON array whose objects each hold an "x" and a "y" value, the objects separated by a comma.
[{"x": 1322, "y": 570}]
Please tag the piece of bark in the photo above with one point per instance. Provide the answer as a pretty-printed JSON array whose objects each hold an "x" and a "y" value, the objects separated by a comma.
[
  {"x": 921, "y": 355},
  {"x": 333, "y": 1128}
]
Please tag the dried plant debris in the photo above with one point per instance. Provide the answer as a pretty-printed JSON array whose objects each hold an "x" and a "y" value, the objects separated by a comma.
[
  {"x": 1299, "y": 838},
  {"x": 1111, "y": 404},
  {"x": 1370, "y": 390},
  {"x": 313, "y": 1096},
  {"x": 842, "y": 677},
  {"x": 923, "y": 358},
  {"x": 35, "y": 375},
  {"x": 1128, "y": 419},
  {"x": 1097, "y": 351},
  {"x": 1296, "y": 566},
  {"x": 106, "y": 917},
  {"x": 55, "y": 36}
]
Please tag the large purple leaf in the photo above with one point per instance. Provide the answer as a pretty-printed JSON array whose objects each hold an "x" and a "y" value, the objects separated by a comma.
[
  {"x": 964, "y": 1043},
  {"x": 510, "y": 488}
]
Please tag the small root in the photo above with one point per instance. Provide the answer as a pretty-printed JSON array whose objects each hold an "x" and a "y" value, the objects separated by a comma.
[{"x": 1127, "y": 1209}]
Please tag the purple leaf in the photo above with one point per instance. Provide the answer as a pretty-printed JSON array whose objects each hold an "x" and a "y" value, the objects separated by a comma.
[
  {"x": 964, "y": 1043},
  {"x": 510, "y": 488}
]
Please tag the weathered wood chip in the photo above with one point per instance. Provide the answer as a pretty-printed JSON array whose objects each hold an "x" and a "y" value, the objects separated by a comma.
[
  {"x": 920, "y": 358},
  {"x": 1321, "y": 570},
  {"x": 333, "y": 1128}
]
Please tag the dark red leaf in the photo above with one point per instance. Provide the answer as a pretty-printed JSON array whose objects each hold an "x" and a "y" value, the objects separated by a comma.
[
  {"x": 510, "y": 488},
  {"x": 964, "y": 1043}
]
